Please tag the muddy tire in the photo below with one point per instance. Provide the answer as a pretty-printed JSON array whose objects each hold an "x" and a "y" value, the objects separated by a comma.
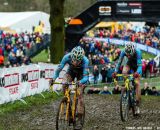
[
  {"x": 124, "y": 104},
  {"x": 61, "y": 122}
]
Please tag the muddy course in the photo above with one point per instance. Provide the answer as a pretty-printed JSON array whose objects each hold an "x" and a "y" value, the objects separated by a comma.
[{"x": 102, "y": 113}]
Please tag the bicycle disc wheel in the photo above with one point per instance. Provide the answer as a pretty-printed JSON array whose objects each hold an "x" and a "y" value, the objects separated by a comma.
[
  {"x": 76, "y": 116},
  {"x": 62, "y": 119},
  {"x": 124, "y": 104}
]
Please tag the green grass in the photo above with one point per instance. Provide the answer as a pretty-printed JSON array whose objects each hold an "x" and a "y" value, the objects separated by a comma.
[
  {"x": 41, "y": 57},
  {"x": 31, "y": 101},
  {"x": 146, "y": 55}
]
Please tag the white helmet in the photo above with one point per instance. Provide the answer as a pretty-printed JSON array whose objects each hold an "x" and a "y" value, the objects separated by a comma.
[
  {"x": 77, "y": 53},
  {"x": 129, "y": 48}
]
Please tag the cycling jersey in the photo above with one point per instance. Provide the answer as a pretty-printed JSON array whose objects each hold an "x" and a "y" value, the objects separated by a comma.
[
  {"x": 79, "y": 71},
  {"x": 134, "y": 62}
]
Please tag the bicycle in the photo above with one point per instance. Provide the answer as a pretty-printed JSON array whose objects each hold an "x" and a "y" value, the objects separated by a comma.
[
  {"x": 127, "y": 99},
  {"x": 67, "y": 114}
]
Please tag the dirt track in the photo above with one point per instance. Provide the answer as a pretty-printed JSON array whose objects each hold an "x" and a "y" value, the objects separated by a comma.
[{"x": 102, "y": 113}]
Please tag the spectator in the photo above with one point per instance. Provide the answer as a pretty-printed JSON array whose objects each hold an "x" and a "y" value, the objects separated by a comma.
[
  {"x": 155, "y": 92},
  {"x": 13, "y": 59},
  {"x": 144, "y": 66},
  {"x": 146, "y": 90},
  {"x": 116, "y": 90},
  {"x": 110, "y": 70},
  {"x": 105, "y": 91},
  {"x": 93, "y": 90},
  {"x": 95, "y": 74},
  {"x": 104, "y": 74},
  {"x": 1, "y": 50},
  {"x": 26, "y": 60},
  {"x": 1, "y": 60}
]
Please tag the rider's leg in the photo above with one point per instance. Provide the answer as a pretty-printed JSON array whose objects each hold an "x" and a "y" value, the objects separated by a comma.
[
  {"x": 80, "y": 108},
  {"x": 66, "y": 79},
  {"x": 80, "y": 101},
  {"x": 138, "y": 91}
]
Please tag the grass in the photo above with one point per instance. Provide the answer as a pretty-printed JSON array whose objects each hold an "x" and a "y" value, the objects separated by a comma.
[
  {"x": 41, "y": 57},
  {"x": 147, "y": 56},
  {"x": 31, "y": 101}
]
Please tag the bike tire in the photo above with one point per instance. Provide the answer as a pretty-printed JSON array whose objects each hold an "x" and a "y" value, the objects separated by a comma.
[
  {"x": 124, "y": 100},
  {"x": 133, "y": 102},
  {"x": 76, "y": 115},
  {"x": 61, "y": 122}
]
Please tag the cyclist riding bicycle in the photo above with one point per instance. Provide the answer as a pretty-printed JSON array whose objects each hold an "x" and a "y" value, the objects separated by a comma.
[
  {"x": 134, "y": 65},
  {"x": 78, "y": 68}
]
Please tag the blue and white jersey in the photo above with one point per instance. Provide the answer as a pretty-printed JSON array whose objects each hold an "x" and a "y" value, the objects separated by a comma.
[
  {"x": 67, "y": 60},
  {"x": 134, "y": 60}
]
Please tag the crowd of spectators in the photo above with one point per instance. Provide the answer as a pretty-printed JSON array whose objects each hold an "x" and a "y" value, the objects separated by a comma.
[
  {"x": 103, "y": 57},
  {"x": 14, "y": 47},
  {"x": 149, "y": 35}
]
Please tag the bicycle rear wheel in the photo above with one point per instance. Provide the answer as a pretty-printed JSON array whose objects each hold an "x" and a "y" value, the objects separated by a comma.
[
  {"x": 63, "y": 114},
  {"x": 124, "y": 104}
]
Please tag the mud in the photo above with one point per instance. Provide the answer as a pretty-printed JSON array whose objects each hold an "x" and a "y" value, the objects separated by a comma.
[{"x": 102, "y": 113}]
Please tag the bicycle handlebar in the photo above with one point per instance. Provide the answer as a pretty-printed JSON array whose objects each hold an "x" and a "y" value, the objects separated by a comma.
[{"x": 124, "y": 75}]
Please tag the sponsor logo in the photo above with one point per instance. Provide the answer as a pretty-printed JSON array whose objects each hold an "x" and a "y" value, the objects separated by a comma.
[
  {"x": 105, "y": 10},
  {"x": 11, "y": 80},
  {"x": 123, "y": 11},
  {"x": 33, "y": 75},
  {"x": 136, "y": 11},
  {"x": 122, "y": 4},
  {"x": 135, "y": 4}
]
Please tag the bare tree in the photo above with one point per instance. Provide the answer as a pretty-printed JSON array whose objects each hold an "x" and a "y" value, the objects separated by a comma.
[{"x": 57, "y": 30}]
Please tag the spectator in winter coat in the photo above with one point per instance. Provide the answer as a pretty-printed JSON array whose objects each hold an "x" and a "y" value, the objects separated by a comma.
[
  {"x": 155, "y": 92},
  {"x": 105, "y": 91},
  {"x": 116, "y": 90},
  {"x": 110, "y": 71},
  {"x": 95, "y": 74},
  {"x": 104, "y": 74},
  {"x": 146, "y": 90}
]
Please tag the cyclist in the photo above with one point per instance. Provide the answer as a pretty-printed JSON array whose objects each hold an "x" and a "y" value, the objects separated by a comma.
[
  {"x": 134, "y": 65},
  {"x": 78, "y": 68}
]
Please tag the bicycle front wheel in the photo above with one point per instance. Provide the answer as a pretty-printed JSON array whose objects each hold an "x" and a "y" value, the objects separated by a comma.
[
  {"x": 63, "y": 113},
  {"x": 124, "y": 104},
  {"x": 76, "y": 118},
  {"x": 133, "y": 102}
]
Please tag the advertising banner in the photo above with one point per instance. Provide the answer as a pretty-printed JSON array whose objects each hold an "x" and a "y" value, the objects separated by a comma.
[{"x": 19, "y": 82}]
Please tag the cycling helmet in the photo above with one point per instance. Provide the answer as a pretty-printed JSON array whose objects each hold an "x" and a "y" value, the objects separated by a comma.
[
  {"x": 77, "y": 53},
  {"x": 129, "y": 48}
]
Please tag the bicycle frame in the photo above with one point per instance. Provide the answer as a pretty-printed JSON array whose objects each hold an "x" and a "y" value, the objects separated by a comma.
[
  {"x": 126, "y": 80},
  {"x": 67, "y": 95}
]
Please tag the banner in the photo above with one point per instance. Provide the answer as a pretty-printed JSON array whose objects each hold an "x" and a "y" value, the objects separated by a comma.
[
  {"x": 116, "y": 41},
  {"x": 19, "y": 82}
]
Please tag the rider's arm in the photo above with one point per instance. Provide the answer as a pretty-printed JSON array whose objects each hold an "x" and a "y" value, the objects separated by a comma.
[
  {"x": 120, "y": 61},
  {"x": 85, "y": 71},
  {"x": 60, "y": 67},
  {"x": 139, "y": 62}
]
